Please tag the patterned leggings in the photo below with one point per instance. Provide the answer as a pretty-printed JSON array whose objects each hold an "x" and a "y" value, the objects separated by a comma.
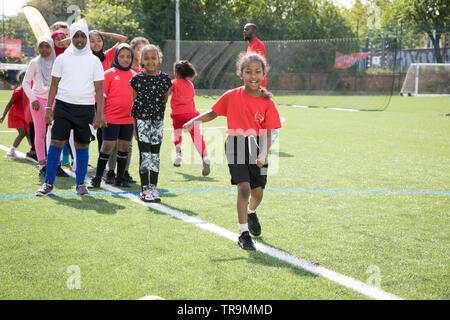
[{"x": 150, "y": 134}]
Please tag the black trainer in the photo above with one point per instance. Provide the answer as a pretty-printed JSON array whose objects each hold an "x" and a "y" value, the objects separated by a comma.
[
  {"x": 245, "y": 241},
  {"x": 128, "y": 177},
  {"x": 95, "y": 183},
  {"x": 110, "y": 177},
  {"x": 121, "y": 182},
  {"x": 253, "y": 224},
  {"x": 42, "y": 172},
  {"x": 60, "y": 172}
]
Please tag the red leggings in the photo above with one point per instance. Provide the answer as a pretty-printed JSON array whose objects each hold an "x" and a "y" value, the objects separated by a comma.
[{"x": 178, "y": 120}]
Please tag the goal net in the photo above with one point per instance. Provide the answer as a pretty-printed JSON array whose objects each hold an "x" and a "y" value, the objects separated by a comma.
[
  {"x": 348, "y": 73},
  {"x": 427, "y": 79}
]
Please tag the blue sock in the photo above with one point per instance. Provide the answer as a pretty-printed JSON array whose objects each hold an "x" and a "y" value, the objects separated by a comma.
[
  {"x": 82, "y": 164},
  {"x": 52, "y": 164},
  {"x": 66, "y": 151}
]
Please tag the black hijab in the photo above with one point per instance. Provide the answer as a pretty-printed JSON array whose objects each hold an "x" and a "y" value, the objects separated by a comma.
[{"x": 115, "y": 63}]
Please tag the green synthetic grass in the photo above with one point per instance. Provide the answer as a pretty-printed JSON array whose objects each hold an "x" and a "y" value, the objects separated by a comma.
[{"x": 125, "y": 251}]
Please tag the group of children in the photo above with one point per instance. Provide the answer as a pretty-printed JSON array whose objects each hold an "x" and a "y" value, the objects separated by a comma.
[{"x": 122, "y": 93}]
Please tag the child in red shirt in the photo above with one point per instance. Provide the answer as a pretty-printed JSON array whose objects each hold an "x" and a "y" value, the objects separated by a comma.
[
  {"x": 118, "y": 103},
  {"x": 16, "y": 118},
  {"x": 183, "y": 110},
  {"x": 251, "y": 116}
]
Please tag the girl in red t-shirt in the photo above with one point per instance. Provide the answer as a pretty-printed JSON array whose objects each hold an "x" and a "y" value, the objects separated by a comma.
[
  {"x": 16, "y": 118},
  {"x": 251, "y": 116},
  {"x": 183, "y": 110},
  {"x": 118, "y": 103}
]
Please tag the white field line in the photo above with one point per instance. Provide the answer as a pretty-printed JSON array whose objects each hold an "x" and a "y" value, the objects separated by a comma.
[
  {"x": 7, "y": 131},
  {"x": 348, "y": 282}
]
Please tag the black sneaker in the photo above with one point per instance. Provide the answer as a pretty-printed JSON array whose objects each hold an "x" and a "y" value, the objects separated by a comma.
[
  {"x": 253, "y": 224},
  {"x": 128, "y": 177},
  {"x": 110, "y": 177},
  {"x": 245, "y": 241},
  {"x": 32, "y": 155},
  {"x": 61, "y": 173},
  {"x": 42, "y": 172},
  {"x": 121, "y": 182},
  {"x": 95, "y": 183}
]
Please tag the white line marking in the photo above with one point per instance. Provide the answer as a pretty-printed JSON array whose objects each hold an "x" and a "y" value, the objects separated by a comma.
[
  {"x": 7, "y": 131},
  {"x": 356, "y": 285}
]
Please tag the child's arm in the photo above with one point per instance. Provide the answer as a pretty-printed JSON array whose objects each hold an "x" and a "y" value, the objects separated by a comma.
[
  {"x": 266, "y": 141},
  {"x": 115, "y": 36},
  {"x": 205, "y": 117},
  {"x": 8, "y": 106},
  {"x": 99, "y": 119},
  {"x": 51, "y": 97}
]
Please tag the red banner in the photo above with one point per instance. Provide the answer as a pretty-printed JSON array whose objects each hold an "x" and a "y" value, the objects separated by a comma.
[
  {"x": 344, "y": 61},
  {"x": 11, "y": 48}
]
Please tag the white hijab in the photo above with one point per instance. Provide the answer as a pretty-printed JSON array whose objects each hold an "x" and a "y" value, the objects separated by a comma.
[
  {"x": 46, "y": 64},
  {"x": 82, "y": 26}
]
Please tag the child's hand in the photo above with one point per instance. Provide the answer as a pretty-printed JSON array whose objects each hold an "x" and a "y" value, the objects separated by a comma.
[
  {"x": 48, "y": 116},
  {"x": 35, "y": 105},
  {"x": 260, "y": 161},
  {"x": 188, "y": 126},
  {"x": 99, "y": 121}
]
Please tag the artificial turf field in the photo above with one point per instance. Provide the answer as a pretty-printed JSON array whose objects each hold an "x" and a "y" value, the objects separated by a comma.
[{"x": 364, "y": 194}]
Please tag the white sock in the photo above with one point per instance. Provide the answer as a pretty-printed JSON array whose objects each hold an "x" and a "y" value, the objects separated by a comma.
[
  {"x": 243, "y": 228},
  {"x": 250, "y": 211}
]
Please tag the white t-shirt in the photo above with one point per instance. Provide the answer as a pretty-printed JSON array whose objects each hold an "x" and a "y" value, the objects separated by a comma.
[{"x": 77, "y": 74}]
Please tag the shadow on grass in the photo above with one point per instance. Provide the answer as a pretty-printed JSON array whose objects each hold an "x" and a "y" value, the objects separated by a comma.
[
  {"x": 260, "y": 258},
  {"x": 86, "y": 203},
  {"x": 285, "y": 154},
  {"x": 189, "y": 177}
]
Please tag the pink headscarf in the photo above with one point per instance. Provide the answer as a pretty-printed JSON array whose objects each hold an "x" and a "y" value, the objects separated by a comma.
[{"x": 58, "y": 50}]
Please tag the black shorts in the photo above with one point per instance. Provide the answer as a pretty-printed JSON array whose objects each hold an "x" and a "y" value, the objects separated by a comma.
[
  {"x": 242, "y": 153},
  {"x": 70, "y": 116},
  {"x": 118, "y": 131}
]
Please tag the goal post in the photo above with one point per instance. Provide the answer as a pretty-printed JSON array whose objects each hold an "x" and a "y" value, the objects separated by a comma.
[{"x": 427, "y": 80}]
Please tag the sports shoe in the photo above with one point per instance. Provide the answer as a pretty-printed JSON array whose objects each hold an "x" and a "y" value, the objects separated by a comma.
[
  {"x": 121, "y": 182},
  {"x": 42, "y": 172},
  {"x": 178, "y": 159},
  {"x": 11, "y": 154},
  {"x": 82, "y": 190},
  {"x": 245, "y": 241},
  {"x": 146, "y": 194},
  {"x": 129, "y": 178},
  {"x": 206, "y": 166},
  {"x": 95, "y": 183},
  {"x": 110, "y": 177},
  {"x": 45, "y": 190},
  {"x": 61, "y": 173},
  {"x": 31, "y": 155},
  {"x": 155, "y": 194},
  {"x": 253, "y": 224}
]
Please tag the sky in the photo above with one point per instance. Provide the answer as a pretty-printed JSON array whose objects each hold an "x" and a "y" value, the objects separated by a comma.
[{"x": 12, "y": 7}]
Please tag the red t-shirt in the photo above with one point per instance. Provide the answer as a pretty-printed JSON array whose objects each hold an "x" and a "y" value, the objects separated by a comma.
[
  {"x": 257, "y": 46},
  {"x": 118, "y": 96},
  {"x": 109, "y": 57},
  {"x": 247, "y": 115},
  {"x": 182, "y": 100}
]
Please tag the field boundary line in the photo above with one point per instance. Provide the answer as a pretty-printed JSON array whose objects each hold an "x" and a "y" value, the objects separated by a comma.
[{"x": 348, "y": 282}]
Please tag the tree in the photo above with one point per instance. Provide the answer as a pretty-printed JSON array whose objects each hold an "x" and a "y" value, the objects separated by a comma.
[{"x": 432, "y": 16}]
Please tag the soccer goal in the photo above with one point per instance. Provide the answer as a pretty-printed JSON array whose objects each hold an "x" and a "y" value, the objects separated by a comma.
[{"x": 427, "y": 80}]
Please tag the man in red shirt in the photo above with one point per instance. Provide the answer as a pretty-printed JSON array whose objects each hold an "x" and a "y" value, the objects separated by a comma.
[{"x": 255, "y": 45}]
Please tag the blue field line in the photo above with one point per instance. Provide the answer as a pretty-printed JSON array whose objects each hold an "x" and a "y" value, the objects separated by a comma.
[{"x": 233, "y": 190}]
